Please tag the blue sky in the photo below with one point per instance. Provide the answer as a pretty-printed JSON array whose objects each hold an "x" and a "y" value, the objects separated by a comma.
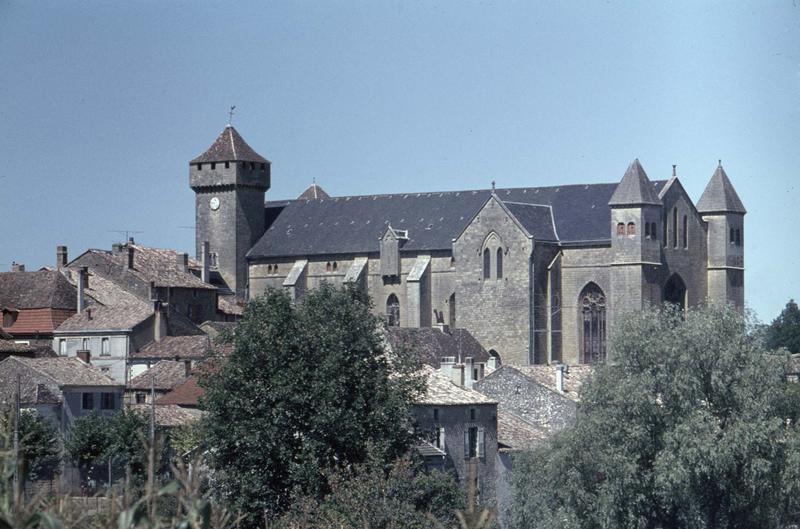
[{"x": 102, "y": 104}]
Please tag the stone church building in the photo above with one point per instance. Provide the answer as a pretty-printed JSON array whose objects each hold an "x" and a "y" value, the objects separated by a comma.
[{"x": 536, "y": 274}]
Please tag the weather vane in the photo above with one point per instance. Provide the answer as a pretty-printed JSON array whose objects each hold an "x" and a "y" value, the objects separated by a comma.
[{"x": 230, "y": 115}]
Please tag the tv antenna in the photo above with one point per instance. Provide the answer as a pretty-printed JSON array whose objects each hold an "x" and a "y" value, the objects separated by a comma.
[{"x": 126, "y": 233}]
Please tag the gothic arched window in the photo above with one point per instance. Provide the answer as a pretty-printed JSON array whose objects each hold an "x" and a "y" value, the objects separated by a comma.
[
  {"x": 685, "y": 231},
  {"x": 452, "y": 305},
  {"x": 499, "y": 263},
  {"x": 393, "y": 311},
  {"x": 620, "y": 229},
  {"x": 592, "y": 313},
  {"x": 487, "y": 263},
  {"x": 631, "y": 229}
]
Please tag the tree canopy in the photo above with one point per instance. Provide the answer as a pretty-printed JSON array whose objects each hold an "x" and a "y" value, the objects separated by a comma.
[
  {"x": 307, "y": 389},
  {"x": 784, "y": 331},
  {"x": 40, "y": 445},
  {"x": 687, "y": 426}
]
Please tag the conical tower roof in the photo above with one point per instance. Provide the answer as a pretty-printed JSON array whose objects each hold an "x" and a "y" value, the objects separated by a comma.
[
  {"x": 229, "y": 147},
  {"x": 720, "y": 196},
  {"x": 635, "y": 188}
]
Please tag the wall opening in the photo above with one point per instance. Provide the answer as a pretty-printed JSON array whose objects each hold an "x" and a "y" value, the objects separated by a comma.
[{"x": 592, "y": 313}]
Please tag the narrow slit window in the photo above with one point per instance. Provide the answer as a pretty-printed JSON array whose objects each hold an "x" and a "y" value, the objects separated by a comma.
[
  {"x": 675, "y": 227},
  {"x": 620, "y": 229},
  {"x": 685, "y": 232},
  {"x": 499, "y": 263},
  {"x": 487, "y": 263}
]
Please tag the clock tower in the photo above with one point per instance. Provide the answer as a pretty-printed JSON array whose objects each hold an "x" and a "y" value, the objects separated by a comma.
[{"x": 229, "y": 181}]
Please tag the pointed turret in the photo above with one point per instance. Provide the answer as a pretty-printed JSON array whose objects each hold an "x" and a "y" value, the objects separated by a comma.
[
  {"x": 313, "y": 192},
  {"x": 720, "y": 196},
  {"x": 229, "y": 147},
  {"x": 635, "y": 188}
]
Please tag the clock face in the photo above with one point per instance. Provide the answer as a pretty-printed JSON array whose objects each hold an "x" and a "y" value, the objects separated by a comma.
[{"x": 214, "y": 203}]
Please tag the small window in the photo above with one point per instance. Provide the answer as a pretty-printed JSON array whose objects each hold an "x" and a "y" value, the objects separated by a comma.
[
  {"x": 470, "y": 442},
  {"x": 631, "y": 229},
  {"x": 738, "y": 238},
  {"x": 733, "y": 236},
  {"x": 141, "y": 398},
  {"x": 328, "y": 266},
  {"x": 646, "y": 230},
  {"x": 263, "y": 167},
  {"x": 499, "y": 263},
  {"x": 62, "y": 347},
  {"x": 105, "y": 347},
  {"x": 335, "y": 266},
  {"x": 105, "y": 370},
  {"x": 227, "y": 165},
  {"x": 439, "y": 439},
  {"x": 85, "y": 344},
  {"x": 252, "y": 166},
  {"x": 435, "y": 414},
  {"x": 487, "y": 263},
  {"x": 213, "y": 166},
  {"x": 620, "y": 229},
  {"x": 472, "y": 414},
  {"x": 87, "y": 401},
  {"x": 275, "y": 269},
  {"x": 475, "y": 374},
  {"x": 199, "y": 167},
  {"x": 106, "y": 401},
  {"x": 685, "y": 232}
]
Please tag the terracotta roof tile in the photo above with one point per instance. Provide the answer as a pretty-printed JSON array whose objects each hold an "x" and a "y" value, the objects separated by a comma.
[
  {"x": 187, "y": 394},
  {"x": 165, "y": 375},
  {"x": 169, "y": 415},
  {"x": 176, "y": 347},
  {"x": 441, "y": 391}
]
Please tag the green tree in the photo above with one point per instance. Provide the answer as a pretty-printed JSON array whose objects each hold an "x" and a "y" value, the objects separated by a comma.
[
  {"x": 40, "y": 443},
  {"x": 307, "y": 389},
  {"x": 374, "y": 495},
  {"x": 88, "y": 440},
  {"x": 129, "y": 434},
  {"x": 784, "y": 331},
  {"x": 684, "y": 427}
]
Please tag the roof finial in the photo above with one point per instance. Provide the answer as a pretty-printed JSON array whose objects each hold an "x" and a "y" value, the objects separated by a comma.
[
  {"x": 314, "y": 180},
  {"x": 230, "y": 115},
  {"x": 719, "y": 162},
  {"x": 674, "y": 170},
  {"x": 493, "y": 187}
]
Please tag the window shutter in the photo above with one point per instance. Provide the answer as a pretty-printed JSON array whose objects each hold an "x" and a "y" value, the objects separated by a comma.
[
  {"x": 481, "y": 443},
  {"x": 466, "y": 444},
  {"x": 442, "y": 446}
]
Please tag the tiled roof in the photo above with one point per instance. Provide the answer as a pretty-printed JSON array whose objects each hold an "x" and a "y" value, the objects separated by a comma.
[
  {"x": 515, "y": 433},
  {"x": 36, "y": 290},
  {"x": 434, "y": 344},
  {"x": 8, "y": 346},
  {"x": 186, "y": 394},
  {"x": 66, "y": 371},
  {"x": 39, "y": 321},
  {"x": 169, "y": 415},
  {"x": 441, "y": 391},
  {"x": 229, "y": 306},
  {"x": 103, "y": 290},
  {"x": 720, "y": 196},
  {"x": 634, "y": 188},
  {"x": 354, "y": 224},
  {"x": 546, "y": 376},
  {"x": 176, "y": 347},
  {"x": 165, "y": 376},
  {"x": 426, "y": 449},
  {"x": 229, "y": 147},
  {"x": 115, "y": 317}
]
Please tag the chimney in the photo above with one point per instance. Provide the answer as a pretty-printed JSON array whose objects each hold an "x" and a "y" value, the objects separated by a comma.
[
  {"x": 446, "y": 365},
  {"x": 187, "y": 368},
  {"x": 131, "y": 241},
  {"x": 153, "y": 293},
  {"x": 81, "y": 284},
  {"x": 130, "y": 257},
  {"x": 560, "y": 378},
  {"x": 183, "y": 261},
  {"x": 469, "y": 366},
  {"x": 443, "y": 327},
  {"x": 85, "y": 356},
  {"x": 17, "y": 267},
  {"x": 205, "y": 256},
  {"x": 160, "y": 322},
  {"x": 116, "y": 248},
  {"x": 61, "y": 257}
]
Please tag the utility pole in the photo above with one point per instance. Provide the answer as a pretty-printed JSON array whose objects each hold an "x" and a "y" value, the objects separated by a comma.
[
  {"x": 17, "y": 477},
  {"x": 151, "y": 478}
]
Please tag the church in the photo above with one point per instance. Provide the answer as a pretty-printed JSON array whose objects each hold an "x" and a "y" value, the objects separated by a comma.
[{"x": 537, "y": 274}]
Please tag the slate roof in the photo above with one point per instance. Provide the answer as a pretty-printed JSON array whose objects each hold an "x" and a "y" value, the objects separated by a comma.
[
  {"x": 440, "y": 391},
  {"x": 103, "y": 290},
  {"x": 433, "y": 344},
  {"x": 720, "y": 196},
  {"x": 169, "y": 415},
  {"x": 546, "y": 376},
  {"x": 354, "y": 224},
  {"x": 36, "y": 290},
  {"x": 8, "y": 347},
  {"x": 229, "y": 147},
  {"x": 537, "y": 220},
  {"x": 114, "y": 317},
  {"x": 66, "y": 371},
  {"x": 165, "y": 375},
  {"x": 515, "y": 433},
  {"x": 634, "y": 188},
  {"x": 194, "y": 347},
  {"x": 313, "y": 192}
]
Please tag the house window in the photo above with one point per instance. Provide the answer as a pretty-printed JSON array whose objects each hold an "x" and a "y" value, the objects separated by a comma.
[
  {"x": 335, "y": 266},
  {"x": 87, "y": 401},
  {"x": 475, "y": 374},
  {"x": 499, "y": 263},
  {"x": 472, "y": 414},
  {"x": 733, "y": 236},
  {"x": 62, "y": 347},
  {"x": 227, "y": 165},
  {"x": 105, "y": 347},
  {"x": 263, "y": 167},
  {"x": 620, "y": 229},
  {"x": 213, "y": 166},
  {"x": 474, "y": 443},
  {"x": 435, "y": 414},
  {"x": 393, "y": 311},
  {"x": 631, "y": 229},
  {"x": 685, "y": 231},
  {"x": 487, "y": 263},
  {"x": 592, "y": 313},
  {"x": 85, "y": 344},
  {"x": 141, "y": 398},
  {"x": 106, "y": 401},
  {"x": 439, "y": 439}
]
